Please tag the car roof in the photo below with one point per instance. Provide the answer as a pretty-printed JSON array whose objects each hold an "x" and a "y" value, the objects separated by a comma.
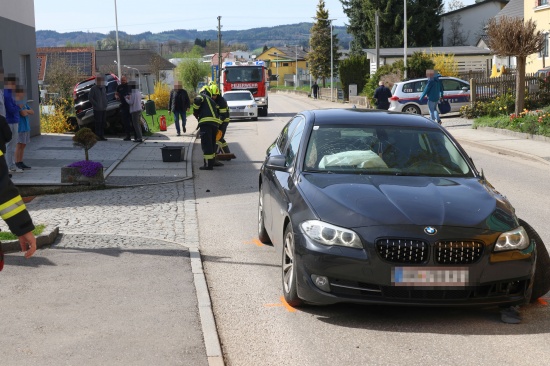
[
  {"x": 367, "y": 117},
  {"x": 441, "y": 77}
]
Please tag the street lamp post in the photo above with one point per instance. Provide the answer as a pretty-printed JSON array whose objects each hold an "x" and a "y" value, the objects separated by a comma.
[
  {"x": 331, "y": 64},
  {"x": 277, "y": 67},
  {"x": 296, "y": 82},
  {"x": 405, "y": 39},
  {"x": 117, "y": 47}
]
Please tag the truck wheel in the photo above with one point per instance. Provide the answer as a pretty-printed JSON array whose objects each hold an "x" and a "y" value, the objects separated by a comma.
[{"x": 541, "y": 282}]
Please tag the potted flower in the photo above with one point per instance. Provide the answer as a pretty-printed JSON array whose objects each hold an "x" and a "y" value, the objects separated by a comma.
[{"x": 84, "y": 171}]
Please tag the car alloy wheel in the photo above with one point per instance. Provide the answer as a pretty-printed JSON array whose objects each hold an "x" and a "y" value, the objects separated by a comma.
[
  {"x": 262, "y": 233},
  {"x": 411, "y": 109},
  {"x": 289, "y": 269}
]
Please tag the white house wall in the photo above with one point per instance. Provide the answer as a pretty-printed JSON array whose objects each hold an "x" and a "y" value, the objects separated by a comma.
[{"x": 473, "y": 20}]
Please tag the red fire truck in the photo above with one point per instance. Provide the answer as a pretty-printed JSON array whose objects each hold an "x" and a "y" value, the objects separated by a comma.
[{"x": 251, "y": 76}]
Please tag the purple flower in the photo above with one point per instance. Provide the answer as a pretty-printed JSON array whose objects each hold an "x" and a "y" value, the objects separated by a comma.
[{"x": 87, "y": 168}]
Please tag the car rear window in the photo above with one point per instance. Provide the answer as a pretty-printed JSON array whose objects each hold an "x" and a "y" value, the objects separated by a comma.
[{"x": 384, "y": 150}]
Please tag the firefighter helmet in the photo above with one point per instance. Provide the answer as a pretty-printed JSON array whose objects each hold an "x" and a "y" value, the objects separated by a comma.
[{"x": 214, "y": 90}]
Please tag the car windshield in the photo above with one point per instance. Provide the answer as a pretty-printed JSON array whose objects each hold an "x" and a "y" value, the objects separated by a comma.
[
  {"x": 237, "y": 96},
  {"x": 241, "y": 74},
  {"x": 383, "y": 150}
]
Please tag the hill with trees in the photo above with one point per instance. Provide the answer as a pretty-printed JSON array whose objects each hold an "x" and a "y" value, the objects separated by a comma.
[{"x": 251, "y": 38}]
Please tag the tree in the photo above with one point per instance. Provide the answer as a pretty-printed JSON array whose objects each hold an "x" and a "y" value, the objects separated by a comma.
[
  {"x": 511, "y": 36},
  {"x": 61, "y": 77},
  {"x": 454, "y": 5},
  {"x": 191, "y": 72},
  {"x": 456, "y": 36},
  {"x": 445, "y": 64},
  {"x": 319, "y": 56},
  {"x": 354, "y": 70},
  {"x": 423, "y": 17},
  {"x": 417, "y": 65}
]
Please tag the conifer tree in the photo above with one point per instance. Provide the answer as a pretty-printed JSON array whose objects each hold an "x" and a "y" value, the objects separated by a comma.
[
  {"x": 319, "y": 55},
  {"x": 423, "y": 22}
]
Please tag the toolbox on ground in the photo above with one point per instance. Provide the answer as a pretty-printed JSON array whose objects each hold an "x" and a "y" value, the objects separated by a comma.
[{"x": 172, "y": 153}]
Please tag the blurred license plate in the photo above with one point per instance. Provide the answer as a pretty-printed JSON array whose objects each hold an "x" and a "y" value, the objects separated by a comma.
[{"x": 429, "y": 276}]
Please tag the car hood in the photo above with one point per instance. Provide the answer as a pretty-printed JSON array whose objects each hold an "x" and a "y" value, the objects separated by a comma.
[{"x": 400, "y": 200}]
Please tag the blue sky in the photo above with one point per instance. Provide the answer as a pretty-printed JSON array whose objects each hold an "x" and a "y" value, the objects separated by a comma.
[{"x": 137, "y": 16}]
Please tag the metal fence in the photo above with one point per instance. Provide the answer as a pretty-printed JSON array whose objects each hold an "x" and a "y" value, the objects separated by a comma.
[{"x": 489, "y": 88}]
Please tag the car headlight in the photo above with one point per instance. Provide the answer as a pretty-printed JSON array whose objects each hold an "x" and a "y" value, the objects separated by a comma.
[
  {"x": 515, "y": 239},
  {"x": 251, "y": 106},
  {"x": 328, "y": 234}
]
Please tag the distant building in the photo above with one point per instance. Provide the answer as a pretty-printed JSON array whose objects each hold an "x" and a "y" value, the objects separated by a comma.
[
  {"x": 82, "y": 58},
  {"x": 18, "y": 50},
  {"x": 141, "y": 65},
  {"x": 285, "y": 61},
  {"x": 464, "y": 26},
  {"x": 468, "y": 58}
]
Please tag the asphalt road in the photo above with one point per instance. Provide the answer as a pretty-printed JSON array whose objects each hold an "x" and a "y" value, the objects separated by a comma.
[{"x": 244, "y": 278}]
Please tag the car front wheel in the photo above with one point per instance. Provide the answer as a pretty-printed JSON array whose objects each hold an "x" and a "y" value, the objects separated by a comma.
[
  {"x": 541, "y": 282},
  {"x": 411, "y": 109},
  {"x": 289, "y": 269}
]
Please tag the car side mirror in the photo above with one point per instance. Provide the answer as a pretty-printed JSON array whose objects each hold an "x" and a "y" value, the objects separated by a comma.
[
  {"x": 465, "y": 88},
  {"x": 276, "y": 162}
]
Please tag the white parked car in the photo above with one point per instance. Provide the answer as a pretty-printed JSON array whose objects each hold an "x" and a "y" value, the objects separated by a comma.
[
  {"x": 241, "y": 104},
  {"x": 406, "y": 94}
]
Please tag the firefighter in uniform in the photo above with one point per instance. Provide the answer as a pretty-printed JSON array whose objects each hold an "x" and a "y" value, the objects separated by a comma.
[
  {"x": 206, "y": 112},
  {"x": 14, "y": 212},
  {"x": 224, "y": 117}
]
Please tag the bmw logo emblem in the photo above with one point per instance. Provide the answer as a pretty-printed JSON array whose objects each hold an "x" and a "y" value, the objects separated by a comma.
[{"x": 430, "y": 230}]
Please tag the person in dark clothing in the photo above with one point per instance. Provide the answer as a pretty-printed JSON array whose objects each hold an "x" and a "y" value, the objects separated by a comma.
[
  {"x": 14, "y": 213},
  {"x": 122, "y": 91},
  {"x": 206, "y": 111},
  {"x": 98, "y": 97},
  {"x": 381, "y": 96},
  {"x": 5, "y": 133},
  {"x": 315, "y": 90},
  {"x": 179, "y": 104}
]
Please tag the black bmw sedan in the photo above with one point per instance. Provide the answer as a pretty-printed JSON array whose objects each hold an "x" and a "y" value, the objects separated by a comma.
[{"x": 379, "y": 207}]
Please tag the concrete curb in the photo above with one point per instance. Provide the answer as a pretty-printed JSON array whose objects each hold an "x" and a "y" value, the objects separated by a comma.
[
  {"x": 503, "y": 151},
  {"x": 208, "y": 322},
  {"x": 47, "y": 237}
]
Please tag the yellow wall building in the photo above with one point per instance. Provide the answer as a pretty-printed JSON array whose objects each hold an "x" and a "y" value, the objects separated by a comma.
[
  {"x": 539, "y": 11},
  {"x": 282, "y": 61}
]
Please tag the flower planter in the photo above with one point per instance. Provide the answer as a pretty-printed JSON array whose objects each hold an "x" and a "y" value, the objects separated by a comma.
[{"x": 73, "y": 175}]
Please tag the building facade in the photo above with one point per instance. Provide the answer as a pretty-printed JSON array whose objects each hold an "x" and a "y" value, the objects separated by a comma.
[
  {"x": 18, "y": 50},
  {"x": 464, "y": 26},
  {"x": 285, "y": 61},
  {"x": 539, "y": 11}
]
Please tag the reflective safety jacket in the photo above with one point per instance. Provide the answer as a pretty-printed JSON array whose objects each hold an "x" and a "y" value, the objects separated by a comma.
[
  {"x": 12, "y": 209},
  {"x": 206, "y": 110},
  {"x": 224, "y": 109}
]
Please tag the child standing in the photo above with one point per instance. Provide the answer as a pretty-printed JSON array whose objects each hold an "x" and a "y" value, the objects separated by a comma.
[{"x": 24, "y": 128}]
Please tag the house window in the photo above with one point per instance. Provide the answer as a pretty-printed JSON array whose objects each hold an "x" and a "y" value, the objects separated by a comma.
[
  {"x": 544, "y": 51},
  {"x": 541, "y": 2},
  {"x": 285, "y": 64},
  {"x": 25, "y": 74}
]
